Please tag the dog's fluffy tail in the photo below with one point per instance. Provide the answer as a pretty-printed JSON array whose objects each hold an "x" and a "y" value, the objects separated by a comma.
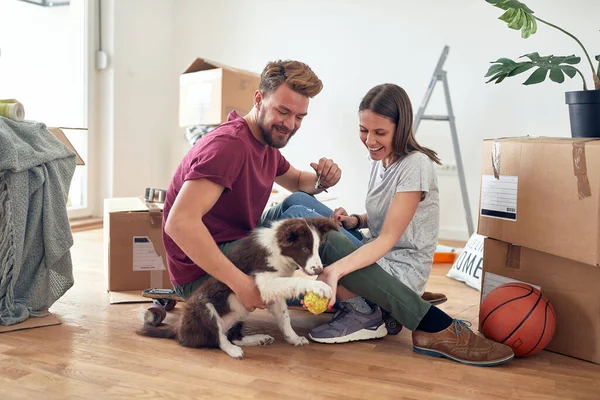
[{"x": 168, "y": 332}]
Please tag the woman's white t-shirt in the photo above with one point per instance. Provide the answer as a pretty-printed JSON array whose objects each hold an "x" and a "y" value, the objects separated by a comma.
[{"x": 411, "y": 257}]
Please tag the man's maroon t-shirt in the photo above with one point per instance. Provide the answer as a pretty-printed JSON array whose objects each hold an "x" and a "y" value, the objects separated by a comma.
[{"x": 232, "y": 157}]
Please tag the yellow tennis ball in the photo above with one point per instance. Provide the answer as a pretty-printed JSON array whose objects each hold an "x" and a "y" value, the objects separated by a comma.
[{"x": 315, "y": 303}]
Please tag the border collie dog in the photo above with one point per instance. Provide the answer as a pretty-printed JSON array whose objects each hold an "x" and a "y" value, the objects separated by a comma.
[{"x": 213, "y": 316}]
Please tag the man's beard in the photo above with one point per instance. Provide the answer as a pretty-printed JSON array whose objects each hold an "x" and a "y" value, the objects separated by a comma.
[{"x": 269, "y": 134}]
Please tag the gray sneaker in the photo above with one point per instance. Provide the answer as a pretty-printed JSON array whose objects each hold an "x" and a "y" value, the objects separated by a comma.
[{"x": 348, "y": 325}]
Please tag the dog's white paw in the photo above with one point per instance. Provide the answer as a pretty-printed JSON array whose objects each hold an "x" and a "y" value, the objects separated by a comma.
[
  {"x": 234, "y": 351},
  {"x": 297, "y": 341},
  {"x": 255, "y": 340},
  {"x": 265, "y": 340},
  {"x": 321, "y": 288}
]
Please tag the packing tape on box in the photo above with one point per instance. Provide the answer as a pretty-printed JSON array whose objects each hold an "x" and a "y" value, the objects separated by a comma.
[
  {"x": 513, "y": 257},
  {"x": 155, "y": 215},
  {"x": 496, "y": 159},
  {"x": 12, "y": 109},
  {"x": 580, "y": 170},
  {"x": 156, "y": 279}
]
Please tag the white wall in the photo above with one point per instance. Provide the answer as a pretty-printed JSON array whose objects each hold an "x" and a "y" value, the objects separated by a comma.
[
  {"x": 136, "y": 97},
  {"x": 352, "y": 45},
  {"x": 41, "y": 62}
]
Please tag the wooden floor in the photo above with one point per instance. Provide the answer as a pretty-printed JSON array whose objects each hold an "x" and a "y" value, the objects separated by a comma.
[{"x": 94, "y": 354}]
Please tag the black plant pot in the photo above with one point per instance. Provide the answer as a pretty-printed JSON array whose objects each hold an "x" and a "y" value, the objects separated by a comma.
[{"x": 584, "y": 113}]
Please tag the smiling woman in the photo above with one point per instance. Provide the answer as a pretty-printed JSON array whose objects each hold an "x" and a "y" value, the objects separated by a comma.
[
  {"x": 377, "y": 132},
  {"x": 402, "y": 215},
  {"x": 386, "y": 125}
]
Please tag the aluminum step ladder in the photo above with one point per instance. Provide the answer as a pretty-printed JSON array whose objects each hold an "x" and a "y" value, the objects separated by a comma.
[{"x": 440, "y": 75}]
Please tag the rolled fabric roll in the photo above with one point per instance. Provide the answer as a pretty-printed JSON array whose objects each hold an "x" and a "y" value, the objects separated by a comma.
[{"x": 12, "y": 109}]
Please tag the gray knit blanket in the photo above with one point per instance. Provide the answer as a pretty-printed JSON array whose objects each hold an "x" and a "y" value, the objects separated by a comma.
[{"x": 36, "y": 170}]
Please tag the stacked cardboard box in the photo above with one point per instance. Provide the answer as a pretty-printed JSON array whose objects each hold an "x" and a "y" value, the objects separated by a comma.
[
  {"x": 134, "y": 254},
  {"x": 540, "y": 213},
  {"x": 209, "y": 91}
]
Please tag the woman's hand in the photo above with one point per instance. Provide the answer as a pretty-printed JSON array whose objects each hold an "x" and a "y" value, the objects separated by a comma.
[
  {"x": 330, "y": 277},
  {"x": 341, "y": 217}
]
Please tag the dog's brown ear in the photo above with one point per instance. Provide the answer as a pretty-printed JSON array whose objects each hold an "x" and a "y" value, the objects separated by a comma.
[
  {"x": 290, "y": 231},
  {"x": 325, "y": 225}
]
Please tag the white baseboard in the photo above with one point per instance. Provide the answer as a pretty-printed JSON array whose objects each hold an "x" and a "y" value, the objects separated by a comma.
[{"x": 452, "y": 233}]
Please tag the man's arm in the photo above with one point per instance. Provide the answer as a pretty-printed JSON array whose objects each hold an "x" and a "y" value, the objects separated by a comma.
[
  {"x": 295, "y": 180},
  {"x": 184, "y": 225}
]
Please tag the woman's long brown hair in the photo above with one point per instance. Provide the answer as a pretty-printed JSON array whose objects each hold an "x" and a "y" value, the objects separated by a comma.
[{"x": 391, "y": 101}]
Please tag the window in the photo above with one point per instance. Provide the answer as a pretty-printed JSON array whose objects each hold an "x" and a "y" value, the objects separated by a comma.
[{"x": 44, "y": 64}]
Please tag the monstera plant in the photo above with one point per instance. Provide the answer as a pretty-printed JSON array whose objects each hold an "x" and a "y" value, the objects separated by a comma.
[{"x": 584, "y": 105}]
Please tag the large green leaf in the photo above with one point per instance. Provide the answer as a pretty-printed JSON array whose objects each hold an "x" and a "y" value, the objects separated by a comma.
[
  {"x": 538, "y": 76},
  {"x": 535, "y": 57},
  {"x": 517, "y": 15},
  {"x": 570, "y": 71},
  {"x": 506, "y": 4},
  {"x": 557, "y": 75},
  {"x": 558, "y": 66}
]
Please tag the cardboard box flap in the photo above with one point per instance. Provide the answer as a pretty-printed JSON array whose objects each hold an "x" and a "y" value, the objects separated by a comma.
[
  {"x": 60, "y": 135},
  {"x": 129, "y": 204},
  {"x": 200, "y": 64}
]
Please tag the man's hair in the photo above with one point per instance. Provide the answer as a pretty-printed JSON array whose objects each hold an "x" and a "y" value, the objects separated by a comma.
[{"x": 296, "y": 74}]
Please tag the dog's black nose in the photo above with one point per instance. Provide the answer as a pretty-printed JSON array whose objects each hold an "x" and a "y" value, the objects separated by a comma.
[{"x": 316, "y": 270}]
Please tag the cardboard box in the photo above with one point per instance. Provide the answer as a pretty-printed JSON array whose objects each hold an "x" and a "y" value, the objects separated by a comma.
[
  {"x": 134, "y": 255},
  {"x": 209, "y": 91},
  {"x": 570, "y": 286},
  {"x": 60, "y": 135},
  {"x": 543, "y": 194}
]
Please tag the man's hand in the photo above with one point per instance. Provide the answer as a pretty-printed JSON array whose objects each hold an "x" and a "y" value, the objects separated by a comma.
[
  {"x": 248, "y": 293},
  {"x": 328, "y": 170},
  {"x": 341, "y": 217}
]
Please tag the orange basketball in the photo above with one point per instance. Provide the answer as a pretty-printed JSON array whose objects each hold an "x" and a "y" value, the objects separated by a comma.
[{"x": 518, "y": 315}]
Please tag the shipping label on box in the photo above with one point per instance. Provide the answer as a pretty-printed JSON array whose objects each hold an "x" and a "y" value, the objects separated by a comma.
[
  {"x": 499, "y": 197},
  {"x": 145, "y": 257},
  {"x": 492, "y": 281}
]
